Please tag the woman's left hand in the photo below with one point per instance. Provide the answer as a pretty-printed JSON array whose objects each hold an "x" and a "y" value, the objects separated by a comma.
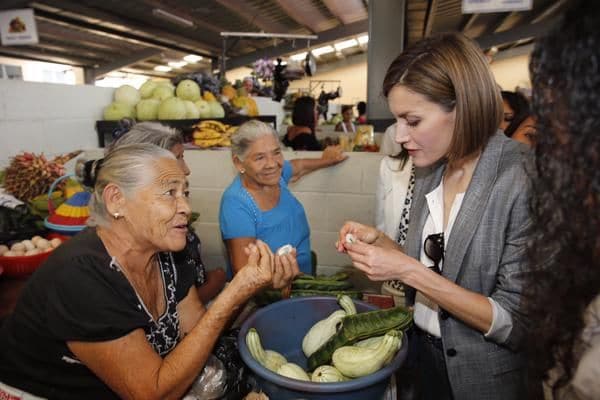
[
  {"x": 380, "y": 264},
  {"x": 286, "y": 269},
  {"x": 334, "y": 154}
]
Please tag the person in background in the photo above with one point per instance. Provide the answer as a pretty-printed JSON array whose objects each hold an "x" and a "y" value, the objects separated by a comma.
[
  {"x": 248, "y": 85},
  {"x": 393, "y": 197},
  {"x": 563, "y": 296},
  {"x": 258, "y": 203},
  {"x": 301, "y": 135},
  {"x": 110, "y": 315},
  {"x": 526, "y": 132},
  {"x": 210, "y": 282},
  {"x": 464, "y": 253},
  {"x": 346, "y": 125},
  {"x": 516, "y": 110},
  {"x": 361, "y": 107}
]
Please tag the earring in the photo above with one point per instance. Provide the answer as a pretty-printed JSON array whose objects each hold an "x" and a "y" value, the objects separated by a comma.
[
  {"x": 116, "y": 215},
  {"x": 242, "y": 171}
]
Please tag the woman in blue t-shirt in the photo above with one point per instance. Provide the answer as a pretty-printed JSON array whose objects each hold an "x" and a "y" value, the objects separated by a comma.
[{"x": 258, "y": 203}]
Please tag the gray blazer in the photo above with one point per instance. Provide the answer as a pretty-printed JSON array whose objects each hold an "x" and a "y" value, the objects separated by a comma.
[{"x": 485, "y": 253}]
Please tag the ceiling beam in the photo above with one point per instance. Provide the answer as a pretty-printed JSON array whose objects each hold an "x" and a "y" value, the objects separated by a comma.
[
  {"x": 468, "y": 23},
  {"x": 288, "y": 47},
  {"x": 44, "y": 56},
  {"x": 546, "y": 13},
  {"x": 94, "y": 20},
  {"x": 347, "y": 11},
  {"x": 56, "y": 37},
  {"x": 306, "y": 14},
  {"x": 518, "y": 33},
  {"x": 253, "y": 15},
  {"x": 122, "y": 62},
  {"x": 430, "y": 17}
]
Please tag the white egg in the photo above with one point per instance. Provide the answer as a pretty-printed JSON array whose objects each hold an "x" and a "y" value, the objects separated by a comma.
[
  {"x": 35, "y": 239},
  {"x": 19, "y": 253},
  {"x": 32, "y": 252},
  {"x": 28, "y": 245},
  {"x": 3, "y": 249},
  {"x": 18, "y": 247},
  {"x": 43, "y": 244},
  {"x": 55, "y": 242},
  {"x": 10, "y": 253}
]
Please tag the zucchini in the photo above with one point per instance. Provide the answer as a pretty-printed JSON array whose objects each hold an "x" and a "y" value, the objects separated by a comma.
[
  {"x": 293, "y": 371},
  {"x": 269, "y": 359},
  {"x": 354, "y": 361},
  {"x": 327, "y": 373},
  {"x": 320, "y": 332},
  {"x": 361, "y": 326},
  {"x": 347, "y": 304}
]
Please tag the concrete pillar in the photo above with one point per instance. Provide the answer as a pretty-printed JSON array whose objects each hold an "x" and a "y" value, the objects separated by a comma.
[{"x": 386, "y": 41}]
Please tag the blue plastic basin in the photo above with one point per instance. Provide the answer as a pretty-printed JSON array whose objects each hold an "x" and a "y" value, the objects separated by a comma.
[{"x": 282, "y": 326}]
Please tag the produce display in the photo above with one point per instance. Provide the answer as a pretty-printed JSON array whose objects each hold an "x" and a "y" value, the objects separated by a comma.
[
  {"x": 343, "y": 346},
  {"x": 29, "y": 175},
  {"x": 190, "y": 96},
  {"x": 212, "y": 133},
  {"x": 30, "y": 247}
]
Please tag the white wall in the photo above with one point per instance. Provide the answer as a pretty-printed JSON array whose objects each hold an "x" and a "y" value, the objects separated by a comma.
[{"x": 48, "y": 118}]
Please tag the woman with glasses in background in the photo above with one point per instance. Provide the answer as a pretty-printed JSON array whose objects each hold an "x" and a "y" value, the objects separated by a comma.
[{"x": 465, "y": 249}]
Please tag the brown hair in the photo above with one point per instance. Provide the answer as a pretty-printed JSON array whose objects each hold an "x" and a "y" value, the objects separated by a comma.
[{"x": 450, "y": 70}]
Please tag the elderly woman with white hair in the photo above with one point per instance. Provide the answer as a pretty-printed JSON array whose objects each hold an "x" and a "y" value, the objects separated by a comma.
[
  {"x": 110, "y": 314},
  {"x": 258, "y": 203},
  {"x": 209, "y": 282}
]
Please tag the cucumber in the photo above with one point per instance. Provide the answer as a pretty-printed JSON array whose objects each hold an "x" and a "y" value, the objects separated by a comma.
[
  {"x": 316, "y": 284},
  {"x": 270, "y": 296},
  {"x": 361, "y": 326}
]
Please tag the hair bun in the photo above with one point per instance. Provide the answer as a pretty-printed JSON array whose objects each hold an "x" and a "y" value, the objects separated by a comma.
[{"x": 87, "y": 171}]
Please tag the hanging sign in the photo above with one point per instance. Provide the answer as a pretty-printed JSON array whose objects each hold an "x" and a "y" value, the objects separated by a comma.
[
  {"x": 488, "y": 6},
  {"x": 18, "y": 27}
]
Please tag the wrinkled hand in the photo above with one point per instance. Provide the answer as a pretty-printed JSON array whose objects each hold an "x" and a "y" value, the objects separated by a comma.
[
  {"x": 364, "y": 233},
  {"x": 259, "y": 270},
  {"x": 380, "y": 264},
  {"x": 286, "y": 269},
  {"x": 334, "y": 154}
]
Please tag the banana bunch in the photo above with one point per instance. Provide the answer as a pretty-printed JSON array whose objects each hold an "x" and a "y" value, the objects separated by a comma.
[{"x": 211, "y": 133}]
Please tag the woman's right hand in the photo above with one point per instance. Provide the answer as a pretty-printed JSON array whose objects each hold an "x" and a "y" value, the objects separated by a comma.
[{"x": 364, "y": 233}]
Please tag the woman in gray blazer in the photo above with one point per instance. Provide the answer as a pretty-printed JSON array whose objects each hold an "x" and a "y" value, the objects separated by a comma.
[{"x": 465, "y": 250}]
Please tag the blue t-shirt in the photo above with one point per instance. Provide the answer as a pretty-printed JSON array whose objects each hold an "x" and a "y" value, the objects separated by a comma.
[{"x": 285, "y": 223}]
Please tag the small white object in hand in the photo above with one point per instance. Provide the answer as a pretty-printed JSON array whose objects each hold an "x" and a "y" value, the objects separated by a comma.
[
  {"x": 285, "y": 249},
  {"x": 350, "y": 238}
]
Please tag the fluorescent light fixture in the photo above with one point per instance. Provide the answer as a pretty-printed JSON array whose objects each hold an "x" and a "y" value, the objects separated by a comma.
[
  {"x": 323, "y": 50},
  {"x": 363, "y": 39},
  {"x": 345, "y": 44},
  {"x": 192, "y": 58},
  {"x": 162, "y": 68},
  {"x": 299, "y": 56},
  {"x": 177, "y": 64},
  {"x": 176, "y": 19}
]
